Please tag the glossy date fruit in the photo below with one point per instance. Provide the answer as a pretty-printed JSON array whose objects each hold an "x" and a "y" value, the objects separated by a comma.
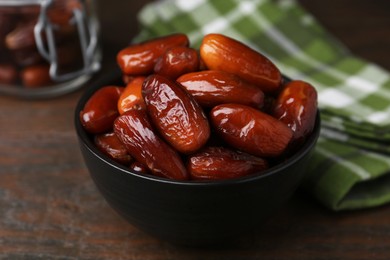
[
  {"x": 216, "y": 163},
  {"x": 255, "y": 118},
  {"x": 220, "y": 52},
  {"x": 135, "y": 132},
  {"x": 21, "y": 37},
  {"x": 139, "y": 167},
  {"x": 101, "y": 110},
  {"x": 109, "y": 144},
  {"x": 296, "y": 106},
  {"x": 131, "y": 98},
  {"x": 140, "y": 59},
  {"x": 36, "y": 76},
  {"x": 61, "y": 12},
  {"x": 177, "y": 116},
  {"x": 6, "y": 25},
  {"x": 177, "y": 61},
  {"x": 213, "y": 87},
  {"x": 250, "y": 130}
]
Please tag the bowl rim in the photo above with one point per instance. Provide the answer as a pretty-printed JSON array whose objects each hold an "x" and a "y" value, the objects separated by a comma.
[{"x": 84, "y": 137}]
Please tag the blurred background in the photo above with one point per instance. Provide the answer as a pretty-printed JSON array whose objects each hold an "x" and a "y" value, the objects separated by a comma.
[{"x": 346, "y": 19}]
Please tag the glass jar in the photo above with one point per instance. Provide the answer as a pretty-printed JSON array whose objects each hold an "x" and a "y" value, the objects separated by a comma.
[{"x": 47, "y": 47}]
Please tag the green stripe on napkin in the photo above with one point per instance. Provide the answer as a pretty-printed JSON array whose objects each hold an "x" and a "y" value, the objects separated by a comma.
[
  {"x": 349, "y": 169},
  {"x": 343, "y": 177}
]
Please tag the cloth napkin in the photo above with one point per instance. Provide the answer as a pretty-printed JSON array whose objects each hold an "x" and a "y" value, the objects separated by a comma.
[{"x": 350, "y": 168}]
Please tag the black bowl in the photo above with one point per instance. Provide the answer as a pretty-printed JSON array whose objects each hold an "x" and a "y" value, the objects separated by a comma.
[{"x": 187, "y": 212}]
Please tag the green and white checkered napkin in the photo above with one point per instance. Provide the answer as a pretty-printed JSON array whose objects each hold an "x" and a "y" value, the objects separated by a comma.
[{"x": 350, "y": 168}]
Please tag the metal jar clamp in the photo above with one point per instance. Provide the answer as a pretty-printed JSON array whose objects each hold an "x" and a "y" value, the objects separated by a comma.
[{"x": 88, "y": 44}]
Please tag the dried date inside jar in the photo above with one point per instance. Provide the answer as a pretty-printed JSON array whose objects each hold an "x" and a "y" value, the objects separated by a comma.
[{"x": 57, "y": 36}]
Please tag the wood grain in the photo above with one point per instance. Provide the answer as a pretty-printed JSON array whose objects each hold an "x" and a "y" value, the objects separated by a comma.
[{"x": 50, "y": 208}]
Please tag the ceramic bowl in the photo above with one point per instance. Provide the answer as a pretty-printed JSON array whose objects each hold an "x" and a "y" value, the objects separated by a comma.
[{"x": 188, "y": 212}]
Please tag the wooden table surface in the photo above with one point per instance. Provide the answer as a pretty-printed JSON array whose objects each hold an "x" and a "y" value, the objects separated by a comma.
[{"x": 50, "y": 208}]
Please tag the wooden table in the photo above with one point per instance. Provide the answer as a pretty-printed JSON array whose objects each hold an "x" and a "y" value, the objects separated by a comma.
[{"x": 50, "y": 208}]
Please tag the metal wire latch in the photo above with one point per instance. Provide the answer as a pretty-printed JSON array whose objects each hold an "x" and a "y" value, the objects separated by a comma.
[{"x": 87, "y": 29}]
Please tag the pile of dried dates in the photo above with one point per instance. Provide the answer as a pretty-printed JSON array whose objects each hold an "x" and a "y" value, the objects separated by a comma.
[
  {"x": 218, "y": 113},
  {"x": 21, "y": 64}
]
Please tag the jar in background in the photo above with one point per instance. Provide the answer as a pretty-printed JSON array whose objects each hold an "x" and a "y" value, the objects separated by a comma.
[{"x": 47, "y": 47}]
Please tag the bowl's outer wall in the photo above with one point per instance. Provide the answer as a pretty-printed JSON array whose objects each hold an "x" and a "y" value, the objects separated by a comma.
[{"x": 193, "y": 214}]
